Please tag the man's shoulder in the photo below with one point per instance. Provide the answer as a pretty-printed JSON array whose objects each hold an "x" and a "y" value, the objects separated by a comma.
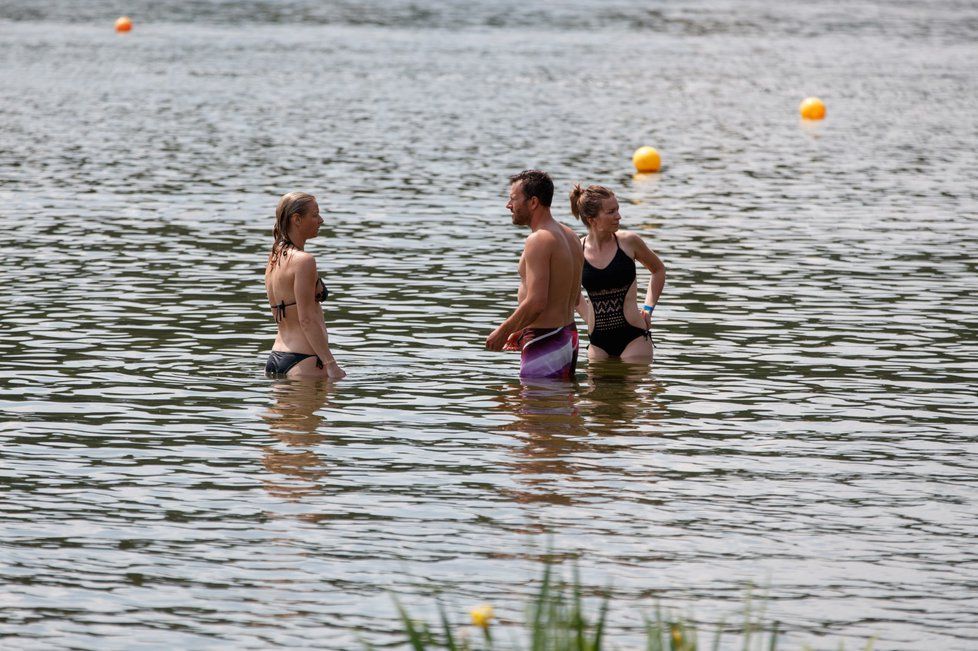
[
  {"x": 539, "y": 245},
  {"x": 541, "y": 240},
  {"x": 570, "y": 231},
  {"x": 552, "y": 236}
]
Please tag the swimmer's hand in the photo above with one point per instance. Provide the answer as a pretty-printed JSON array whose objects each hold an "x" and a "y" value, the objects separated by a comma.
[
  {"x": 647, "y": 316},
  {"x": 496, "y": 341},
  {"x": 334, "y": 372},
  {"x": 513, "y": 342}
]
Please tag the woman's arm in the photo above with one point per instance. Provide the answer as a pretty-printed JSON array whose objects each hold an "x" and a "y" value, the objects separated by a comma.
[
  {"x": 586, "y": 311},
  {"x": 268, "y": 285},
  {"x": 311, "y": 314},
  {"x": 584, "y": 307},
  {"x": 648, "y": 259}
]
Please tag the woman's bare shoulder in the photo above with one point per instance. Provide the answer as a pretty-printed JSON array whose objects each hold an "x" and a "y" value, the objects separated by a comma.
[
  {"x": 302, "y": 260},
  {"x": 630, "y": 241},
  {"x": 629, "y": 236}
]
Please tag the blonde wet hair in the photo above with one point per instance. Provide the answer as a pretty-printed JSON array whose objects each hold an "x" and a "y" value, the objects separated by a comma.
[{"x": 293, "y": 203}]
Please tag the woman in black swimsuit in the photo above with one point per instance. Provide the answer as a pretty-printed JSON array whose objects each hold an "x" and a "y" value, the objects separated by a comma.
[
  {"x": 295, "y": 293},
  {"x": 617, "y": 327}
]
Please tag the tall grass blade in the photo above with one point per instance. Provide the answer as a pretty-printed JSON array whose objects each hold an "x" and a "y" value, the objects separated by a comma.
[
  {"x": 599, "y": 627},
  {"x": 414, "y": 636},
  {"x": 774, "y": 636},
  {"x": 577, "y": 616},
  {"x": 537, "y": 635},
  {"x": 653, "y": 632},
  {"x": 747, "y": 622},
  {"x": 447, "y": 628},
  {"x": 716, "y": 640}
]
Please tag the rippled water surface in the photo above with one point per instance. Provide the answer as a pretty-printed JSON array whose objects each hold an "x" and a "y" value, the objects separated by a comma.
[{"x": 809, "y": 424}]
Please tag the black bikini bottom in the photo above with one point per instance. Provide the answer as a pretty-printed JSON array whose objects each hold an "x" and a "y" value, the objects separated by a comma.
[
  {"x": 280, "y": 363},
  {"x": 615, "y": 341}
]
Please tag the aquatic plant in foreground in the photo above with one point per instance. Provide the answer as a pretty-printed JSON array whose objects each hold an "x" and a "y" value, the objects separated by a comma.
[{"x": 556, "y": 621}]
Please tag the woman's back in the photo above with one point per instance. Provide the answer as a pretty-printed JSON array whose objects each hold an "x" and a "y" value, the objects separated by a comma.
[
  {"x": 280, "y": 284},
  {"x": 295, "y": 294}
]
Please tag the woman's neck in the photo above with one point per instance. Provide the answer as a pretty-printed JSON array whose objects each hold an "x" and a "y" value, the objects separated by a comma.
[
  {"x": 600, "y": 237},
  {"x": 296, "y": 242}
]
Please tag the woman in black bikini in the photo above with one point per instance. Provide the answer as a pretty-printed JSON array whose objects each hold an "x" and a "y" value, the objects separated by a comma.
[
  {"x": 617, "y": 327},
  {"x": 295, "y": 293}
]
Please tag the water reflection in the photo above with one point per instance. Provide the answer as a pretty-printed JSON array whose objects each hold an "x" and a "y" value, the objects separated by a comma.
[
  {"x": 551, "y": 429},
  {"x": 561, "y": 424},
  {"x": 293, "y": 419},
  {"x": 617, "y": 395},
  {"x": 812, "y": 129}
]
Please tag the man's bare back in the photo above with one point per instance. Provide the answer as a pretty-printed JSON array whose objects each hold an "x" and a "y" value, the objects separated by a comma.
[{"x": 565, "y": 259}]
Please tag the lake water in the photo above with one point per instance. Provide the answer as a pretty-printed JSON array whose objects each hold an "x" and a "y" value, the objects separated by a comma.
[{"x": 809, "y": 425}]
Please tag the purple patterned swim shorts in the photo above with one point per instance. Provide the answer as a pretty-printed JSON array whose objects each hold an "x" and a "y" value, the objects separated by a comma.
[{"x": 548, "y": 352}]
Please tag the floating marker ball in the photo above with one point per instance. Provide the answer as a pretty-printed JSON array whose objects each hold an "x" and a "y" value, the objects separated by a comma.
[
  {"x": 812, "y": 108},
  {"x": 123, "y": 24},
  {"x": 646, "y": 160}
]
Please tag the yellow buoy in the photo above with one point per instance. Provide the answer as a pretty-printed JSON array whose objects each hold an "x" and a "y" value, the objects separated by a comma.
[
  {"x": 812, "y": 108},
  {"x": 123, "y": 24},
  {"x": 646, "y": 160}
]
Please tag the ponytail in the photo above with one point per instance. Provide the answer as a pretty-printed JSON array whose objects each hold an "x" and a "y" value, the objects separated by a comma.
[{"x": 586, "y": 202}]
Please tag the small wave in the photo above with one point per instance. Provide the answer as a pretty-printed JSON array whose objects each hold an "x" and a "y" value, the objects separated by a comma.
[{"x": 945, "y": 20}]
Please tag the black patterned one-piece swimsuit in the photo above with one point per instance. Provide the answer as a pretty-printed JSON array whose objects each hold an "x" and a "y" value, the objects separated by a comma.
[{"x": 607, "y": 289}]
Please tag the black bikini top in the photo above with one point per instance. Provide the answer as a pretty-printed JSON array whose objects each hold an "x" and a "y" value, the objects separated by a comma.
[
  {"x": 321, "y": 294},
  {"x": 618, "y": 275}
]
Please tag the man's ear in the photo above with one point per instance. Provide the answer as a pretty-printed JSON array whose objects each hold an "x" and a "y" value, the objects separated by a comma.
[{"x": 533, "y": 206}]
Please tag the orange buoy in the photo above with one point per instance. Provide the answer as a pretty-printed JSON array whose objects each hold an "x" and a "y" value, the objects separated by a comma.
[
  {"x": 646, "y": 160},
  {"x": 123, "y": 24},
  {"x": 812, "y": 108}
]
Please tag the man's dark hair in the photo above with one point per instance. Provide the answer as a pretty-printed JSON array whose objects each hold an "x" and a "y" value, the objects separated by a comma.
[{"x": 535, "y": 184}]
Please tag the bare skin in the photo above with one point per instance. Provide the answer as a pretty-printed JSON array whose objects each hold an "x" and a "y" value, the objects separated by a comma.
[
  {"x": 599, "y": 249},
  {"x": 293, "y": 279},
  {"x": 550, "y": 272}
]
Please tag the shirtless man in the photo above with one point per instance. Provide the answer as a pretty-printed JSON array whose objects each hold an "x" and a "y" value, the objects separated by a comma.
[{"x": 542, "y": 327}]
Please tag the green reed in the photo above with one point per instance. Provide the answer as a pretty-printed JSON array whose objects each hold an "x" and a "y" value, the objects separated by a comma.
[{"x": 556, "y": 621}]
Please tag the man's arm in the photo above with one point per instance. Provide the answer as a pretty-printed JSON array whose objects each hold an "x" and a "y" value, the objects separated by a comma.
[{"x": 536, "y": 255}]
